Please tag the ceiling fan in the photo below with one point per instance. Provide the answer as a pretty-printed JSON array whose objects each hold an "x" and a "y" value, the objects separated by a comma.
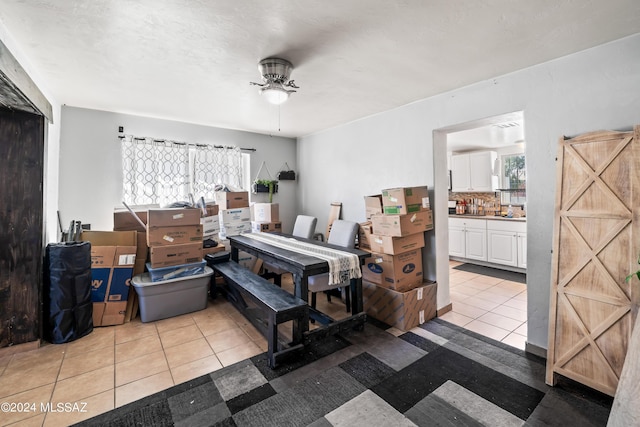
[{"x": 275, "y": 74}]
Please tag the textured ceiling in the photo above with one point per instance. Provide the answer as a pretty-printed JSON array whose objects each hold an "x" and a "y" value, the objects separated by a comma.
[{"x": 192, "y": 61}]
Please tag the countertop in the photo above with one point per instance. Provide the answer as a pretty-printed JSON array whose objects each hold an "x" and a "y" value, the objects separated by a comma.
[{"x": 489, "y": 217}]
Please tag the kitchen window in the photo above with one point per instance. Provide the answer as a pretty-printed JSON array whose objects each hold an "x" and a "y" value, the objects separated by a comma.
[{"x": 514, "y": 179}]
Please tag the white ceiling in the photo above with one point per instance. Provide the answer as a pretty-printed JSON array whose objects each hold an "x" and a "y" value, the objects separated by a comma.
[{"x": 192, "y": 60}]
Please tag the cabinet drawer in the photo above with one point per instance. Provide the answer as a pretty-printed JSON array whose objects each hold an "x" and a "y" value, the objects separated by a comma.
[{"x": 506, "y": 225}]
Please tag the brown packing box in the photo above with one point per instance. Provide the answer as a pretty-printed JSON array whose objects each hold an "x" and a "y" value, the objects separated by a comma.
[
  {"x": 212, "y": 209},
  {"x": 398, "y": 272},
  {"x": 142, "y": 253},
  {"x": 168, "y": 256},
  {"x": 124, "y": 221},
  {"x": 403, "y": 310},
  {"x": 395, "y": 245},
  {"x": 172, "y": 217},
  {"x": 158, "y": 236},
  {"x": 232, "y": 199},
  {"x": 113, "y": 257},
  {"x": 265, "y": 212},
  {"x": 109, "y": 313},
  {"x": 364, "y": 234},
  {"x": 372, "y": 205},
  {"x": 405, "y": 200},
  {"x": 402, "y": 225},
  {"x": 266, "y": 227}
]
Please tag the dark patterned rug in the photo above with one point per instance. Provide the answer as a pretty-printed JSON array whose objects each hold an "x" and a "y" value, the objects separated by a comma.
[
  {"x": 439, "y": 375},
  {"x": 493, "y": 272}
]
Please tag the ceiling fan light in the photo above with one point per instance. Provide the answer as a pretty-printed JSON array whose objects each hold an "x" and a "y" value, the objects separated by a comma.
[{"x": 274, "y": 95}]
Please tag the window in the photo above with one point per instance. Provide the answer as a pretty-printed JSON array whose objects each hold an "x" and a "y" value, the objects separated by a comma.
[
  {"x": 163, "y": 172},
  {"x": 514, "y": 179}
]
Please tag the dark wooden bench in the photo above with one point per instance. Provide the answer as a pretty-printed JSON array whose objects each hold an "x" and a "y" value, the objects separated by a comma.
[{"x": 266, "y": 306}]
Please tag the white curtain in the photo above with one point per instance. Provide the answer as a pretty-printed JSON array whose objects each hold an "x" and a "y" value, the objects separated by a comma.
[{"x": 163, "y": 172}]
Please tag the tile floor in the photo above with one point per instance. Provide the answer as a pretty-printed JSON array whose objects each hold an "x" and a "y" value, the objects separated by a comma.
[
  {"x": 116, "y": 365},
  {"x": 489, "y": 306}
]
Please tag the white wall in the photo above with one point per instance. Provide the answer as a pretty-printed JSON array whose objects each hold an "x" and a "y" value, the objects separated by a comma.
[
  {"x": 91, "y": 170},
  {"x": 594, "y": 89},
  {"x": 52, "y": 140}
]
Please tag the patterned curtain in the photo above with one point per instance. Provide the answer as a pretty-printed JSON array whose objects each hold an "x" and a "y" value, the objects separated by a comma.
[{"x": 163, "y": 172}]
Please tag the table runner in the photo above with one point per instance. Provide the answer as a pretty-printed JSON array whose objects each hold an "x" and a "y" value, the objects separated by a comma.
[{"x": 343, "y": 266}]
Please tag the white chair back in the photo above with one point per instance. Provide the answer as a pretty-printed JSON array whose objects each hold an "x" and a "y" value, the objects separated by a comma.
[
  {"x": 343, "y": 233},
  {"x": 305, "y": 226}
]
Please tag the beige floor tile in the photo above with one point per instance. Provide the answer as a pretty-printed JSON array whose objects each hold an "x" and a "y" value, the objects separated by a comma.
[
  {"x": 510, "y": 312},
  {"x": 497, "y": 290},
  {"x": 467, "y": 310},
  {"x": 516, "y": 286},
  {"x": 228, "y": 339},
  {"x": 488, "y": 280},
  {"x": 253, "y": 333},
  {"x": 493, "y": 297},
  {"x": 45, "y": 354},
  {"x": 212, "y": 326},
  {"x": 176, "y": 322},
  {"x": 37, "y": 375},
  {"x": 521, "y": 330},
  {"x": 467, "y": 290},
  {"x": 87, "y": 408},
  {"x": 132, "y": 349},
  {"x": 195, "y": 369},
  {"x": 144, "y": 387},
  {"x": 457, "y": 296},
  {"x": 84, "y": 385},
  {"x": 99, "y": 338},
  {"x": 33, "y": 421},
  {"x": 134, "y": 331},
  {"x": 516, "y": 303},
  {"x": 32, "y": 399},
  {"x": 487, "y": 330},
  {"x": 140, "y": 367},
  {"x": 89, "y": 361},
  {"x": 188, "y": 352},
  {"x": 4, "y": 361},
  {"x": 477, "y": 284},
  {"x": 522, "y": 296},
  {"x": 395, "y": 331},
  {"x": 462, "y": 275},
  {"x": 456, "y": 318},
  {"x": 481, "y": 303},
  {"x": 515, "y": 340},
  {"x": 173, "y": 337},
  {"x": 500, "y": 321},
  {"x": 236, "y": 354},
  {"x": 262, "y": 344}
]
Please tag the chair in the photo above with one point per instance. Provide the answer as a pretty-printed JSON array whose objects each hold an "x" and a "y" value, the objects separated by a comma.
[
  {"x": 304, "y": 227},
  {"x": 343, "y": 233}
]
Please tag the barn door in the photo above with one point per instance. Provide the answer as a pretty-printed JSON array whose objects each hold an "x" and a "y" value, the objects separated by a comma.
[
  {"x": 21, "y": 226},
  {"x": 596, "y": 245}
]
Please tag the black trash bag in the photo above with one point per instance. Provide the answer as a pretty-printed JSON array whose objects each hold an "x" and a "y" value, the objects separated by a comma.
[{"x": 68, "y": 310}]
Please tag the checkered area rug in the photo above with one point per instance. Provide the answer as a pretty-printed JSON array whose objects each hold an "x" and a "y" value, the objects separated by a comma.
[{"x": 439, "y": 375}]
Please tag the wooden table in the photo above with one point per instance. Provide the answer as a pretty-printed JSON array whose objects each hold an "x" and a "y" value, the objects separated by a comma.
[{"x": 302, "y": 266}]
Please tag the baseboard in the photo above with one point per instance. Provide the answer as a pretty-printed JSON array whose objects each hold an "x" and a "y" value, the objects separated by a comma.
[
  {"x": 19, "y": 348},
  {"x": 534, "y": 349},
  {"x": 447, "y": 308}
]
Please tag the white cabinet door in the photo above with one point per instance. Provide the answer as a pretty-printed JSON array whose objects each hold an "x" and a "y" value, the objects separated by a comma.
[
  {"x": 476, "y": 243},
  {"x": 460, "y": 173},
  {"x": 522, "y": 250},
  {"x": 502, "y": 247},
  {"x": 456, "y": 241},
  {"x": 481, "y": 170}
]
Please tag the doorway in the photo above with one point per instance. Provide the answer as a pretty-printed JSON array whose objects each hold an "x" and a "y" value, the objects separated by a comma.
[{"x": 480, "y": 293}]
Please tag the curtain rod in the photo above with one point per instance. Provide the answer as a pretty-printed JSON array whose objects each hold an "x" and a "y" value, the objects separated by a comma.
[{"x": 141, "y": 138}]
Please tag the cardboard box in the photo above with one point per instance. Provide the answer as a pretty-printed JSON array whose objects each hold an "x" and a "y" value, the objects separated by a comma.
[
  {"x": 372, "y": 205},
  {"x": 109, "y": 313},
  {"x": 113, "y": 257},
  {"x": 212, "y": 209},
  {"x": 266, "y": 227},
  {"x": 173, "y": 217},
  {"x": 398, "y": 272},
  {"x": 405, "y": 200},
  {"x": 402, "y": 225},
  {"x": 210, "y": 225},
  {"x": 170, "y": 255},
  {"x": 232, "y": 199},
  {"x": 124, "y": 221},
  {"x": 232, "y": 217},
  {"x": 234, "y": 230},
  {"x": 403, "y": 310},
  {"x": 395, "y": 245},
  {"x": 364, "y": 233},
  {"x": 158, "y": 236},
  {"x": 142, "y": 253},
  {"x": 266, "y": 212}
]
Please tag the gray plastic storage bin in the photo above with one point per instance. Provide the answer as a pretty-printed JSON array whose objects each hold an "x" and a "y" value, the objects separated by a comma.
[{"x": 173, "y": 297}]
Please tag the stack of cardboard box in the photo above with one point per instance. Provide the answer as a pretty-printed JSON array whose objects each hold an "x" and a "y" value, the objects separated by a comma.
[
  {"x": 394, "y": 288},
  {"x": 265, "y": 218},
  {"x": 174, "y": 237},
  {"x": 211, "y": 230},
  {"x": 235, "y": 218}
]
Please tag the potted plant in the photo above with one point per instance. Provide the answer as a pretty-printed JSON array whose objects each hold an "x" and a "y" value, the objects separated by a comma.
[
  {"x": 636, "y": 273},
  {"x": 266, "y": 186}
]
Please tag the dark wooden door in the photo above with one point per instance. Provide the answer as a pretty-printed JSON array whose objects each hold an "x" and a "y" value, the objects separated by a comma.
[{"x": 21, "y": 226}]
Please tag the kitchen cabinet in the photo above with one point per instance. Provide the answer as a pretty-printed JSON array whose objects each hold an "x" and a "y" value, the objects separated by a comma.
[
  {"x": 473, "y": 172},
  {"x": 522, "y": 250},
  {"x": 504, "y": 240},
  {"x": 468, "y": 238}
]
